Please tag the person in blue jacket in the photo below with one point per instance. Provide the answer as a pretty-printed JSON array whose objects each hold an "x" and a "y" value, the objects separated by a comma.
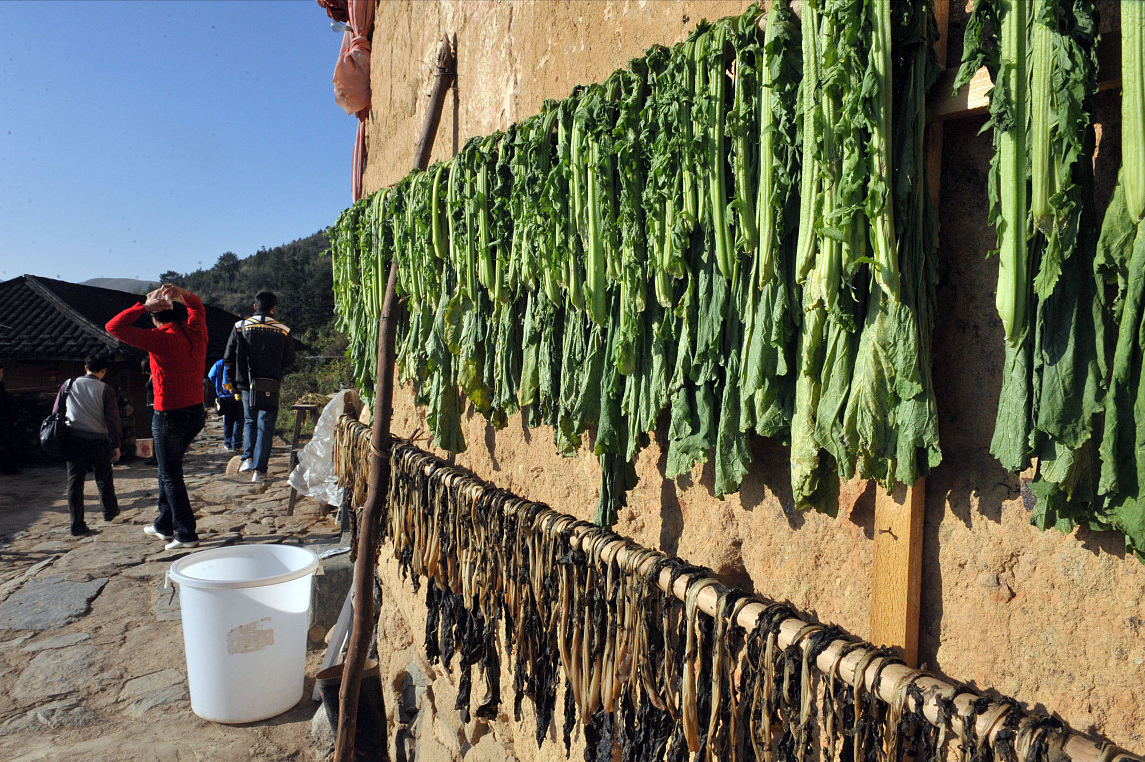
[{"x": 228, "y": 405}]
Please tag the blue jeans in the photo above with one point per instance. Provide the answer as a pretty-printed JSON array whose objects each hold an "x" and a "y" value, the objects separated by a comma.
[
  {"x": 257, "y": 434},
  {"x": 233, "y": 422},
  {"x": 173, "y": 432}
]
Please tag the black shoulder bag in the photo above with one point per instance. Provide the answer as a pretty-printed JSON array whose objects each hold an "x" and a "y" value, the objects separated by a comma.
[{"x": 54, "y": 429}]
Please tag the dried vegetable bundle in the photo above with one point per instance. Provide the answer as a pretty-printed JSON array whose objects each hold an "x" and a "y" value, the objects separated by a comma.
[
  {"x": 646, "y": 245},
  {"x": 560, "y": 603}
]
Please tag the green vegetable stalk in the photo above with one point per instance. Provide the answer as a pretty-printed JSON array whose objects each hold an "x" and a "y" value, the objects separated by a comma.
[
  {"x": 742, "y": 119},
  {"x": 880, "y": 211},
  {"x": 779, "y": 77},
  {"x": 1042, "y": 170},
  {"x": 1011, "y": 176},
  {"x": 1133, "y": 106}
]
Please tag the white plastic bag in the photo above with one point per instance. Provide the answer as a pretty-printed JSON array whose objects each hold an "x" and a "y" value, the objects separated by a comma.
[{"x": 314, "y": 475}]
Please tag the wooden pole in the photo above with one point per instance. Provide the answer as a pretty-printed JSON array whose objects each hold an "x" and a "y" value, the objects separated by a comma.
[{"x": 380, "y": 441}]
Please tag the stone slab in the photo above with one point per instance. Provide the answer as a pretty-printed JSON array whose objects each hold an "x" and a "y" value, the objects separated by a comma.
[
  {"x": 102, "y": 555},
  {"x": 48, "y": 603},
  {"x": 219, "y": 523},
  {"x": 65, "y": 714},
  {"x": 58, "y": 673},
  {"x": 321, "y": 733},
  {"x": 53, "y": 546},
  {"x": 148, "y": 571},
  {"x": 19, "y": 723},
  {"x": 17, "y": 642},
  {"x": 141, "y": 686},
  {"x": 167, "y": 605},
  {"x": 59, "y": 641},
  {"x": 141, "y": 694},
  {"x": 329, "y": 588}
]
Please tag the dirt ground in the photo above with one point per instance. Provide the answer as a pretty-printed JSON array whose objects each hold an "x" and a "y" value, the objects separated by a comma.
[{"x": 111, "y": 684}]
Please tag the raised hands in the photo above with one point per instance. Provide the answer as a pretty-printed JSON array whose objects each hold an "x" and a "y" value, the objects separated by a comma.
[{"x": 161, "y": 298}]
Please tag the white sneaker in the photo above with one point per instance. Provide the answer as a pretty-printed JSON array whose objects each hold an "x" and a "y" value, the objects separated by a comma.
[
  {"x": 247, "y": 465},
  {"x": 258, "y": 477},
  {"x": 153, "y": 532},
  {"x": 177, "y": 544}
]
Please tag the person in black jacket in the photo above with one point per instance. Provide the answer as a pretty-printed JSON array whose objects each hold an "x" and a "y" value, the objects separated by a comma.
[{"x": 258, "y": 353}]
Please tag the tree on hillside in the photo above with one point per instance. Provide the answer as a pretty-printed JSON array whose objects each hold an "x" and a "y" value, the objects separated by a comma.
[{"x": 228, "y": 264}]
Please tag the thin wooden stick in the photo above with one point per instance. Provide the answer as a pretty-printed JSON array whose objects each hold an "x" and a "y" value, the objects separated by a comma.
[{"x": 380, "y": 441}]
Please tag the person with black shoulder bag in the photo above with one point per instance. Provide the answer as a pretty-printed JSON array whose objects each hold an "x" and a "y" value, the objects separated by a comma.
[
  {"x": 92, "y": 441},
  {"x": 259, "y": 351}
]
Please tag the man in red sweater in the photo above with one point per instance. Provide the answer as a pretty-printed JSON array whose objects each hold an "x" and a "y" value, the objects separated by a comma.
[{"x": 178, "y": 348}]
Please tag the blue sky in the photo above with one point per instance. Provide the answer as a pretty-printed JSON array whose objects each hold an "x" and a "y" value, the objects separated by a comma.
[{"x": 139, "y": 137}]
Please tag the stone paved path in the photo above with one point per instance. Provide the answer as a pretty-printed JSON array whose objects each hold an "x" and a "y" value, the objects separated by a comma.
[{"x": 91, "y": 646}]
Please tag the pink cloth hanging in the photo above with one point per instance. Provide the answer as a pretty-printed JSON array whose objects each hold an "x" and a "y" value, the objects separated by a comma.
[{"x": 352, "y": 74}]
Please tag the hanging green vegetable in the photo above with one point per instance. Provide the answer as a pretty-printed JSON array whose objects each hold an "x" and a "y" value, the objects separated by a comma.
[
  {"x": 766, "y": 365},
  {"x": 1133, "y": 107},
  {"x": 640, "y": 247},
  {"x": 1045, "y": 75},
  {"x": 1121, "y": 261}
]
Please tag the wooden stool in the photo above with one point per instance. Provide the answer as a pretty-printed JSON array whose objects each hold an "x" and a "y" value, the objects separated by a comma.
[{"x": 300, "y": 413}]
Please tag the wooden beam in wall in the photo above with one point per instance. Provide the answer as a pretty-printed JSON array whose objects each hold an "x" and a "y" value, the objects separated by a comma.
[
  {"x": 896, "y": 566},
  {"x": 973, "y": 99}
]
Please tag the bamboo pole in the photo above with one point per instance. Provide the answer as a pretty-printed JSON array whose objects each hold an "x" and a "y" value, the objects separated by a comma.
[{"x": 380, "y": 441}]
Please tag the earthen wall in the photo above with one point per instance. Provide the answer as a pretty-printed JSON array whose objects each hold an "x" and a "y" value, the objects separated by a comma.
[{"x": 1056, "y": 621}]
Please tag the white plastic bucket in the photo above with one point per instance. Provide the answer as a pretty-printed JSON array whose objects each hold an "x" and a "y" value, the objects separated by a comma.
[{"x": 245, "y": 612}]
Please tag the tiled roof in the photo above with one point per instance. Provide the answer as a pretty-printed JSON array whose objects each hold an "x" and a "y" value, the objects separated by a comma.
[{"x": 42, "y": 319}]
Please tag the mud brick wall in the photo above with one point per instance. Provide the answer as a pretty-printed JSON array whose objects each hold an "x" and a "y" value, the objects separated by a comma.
[{"x": 1056, "y": 621}]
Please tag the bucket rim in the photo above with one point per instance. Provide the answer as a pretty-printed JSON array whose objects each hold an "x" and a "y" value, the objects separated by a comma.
[{"x": 176, "y": 574}]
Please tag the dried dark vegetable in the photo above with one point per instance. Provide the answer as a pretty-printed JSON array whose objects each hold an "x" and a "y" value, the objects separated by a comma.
[
  {"x": 351, "y": 451},
  {"x": 564, "y": 602}
]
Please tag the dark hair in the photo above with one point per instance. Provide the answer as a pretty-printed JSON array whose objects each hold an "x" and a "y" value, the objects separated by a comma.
[
  {"x": 265, "y": 301},
  {"x": 96, "y": 361},
  {"x": 176, "y": 313}
]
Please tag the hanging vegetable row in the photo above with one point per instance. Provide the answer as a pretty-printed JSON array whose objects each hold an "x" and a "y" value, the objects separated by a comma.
[
  {"x": 1069, "y": 385},
  {"x": 735, "y": 230},
  {"x": 577, "y": 616}
]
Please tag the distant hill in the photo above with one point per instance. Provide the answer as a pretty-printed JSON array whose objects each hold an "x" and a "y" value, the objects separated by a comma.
[
  {"x": 298, "y": 272},
  {"x": 130, "y": 285}
]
